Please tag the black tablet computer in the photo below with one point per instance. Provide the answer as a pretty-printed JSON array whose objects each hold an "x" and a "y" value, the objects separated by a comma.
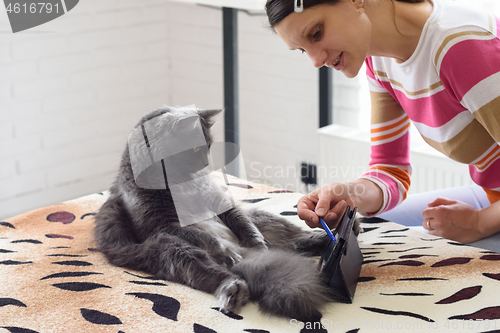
[{"x": 341, "y": 261}]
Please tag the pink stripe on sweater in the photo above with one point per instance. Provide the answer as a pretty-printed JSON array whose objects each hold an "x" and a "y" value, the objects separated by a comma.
[
  {"x": 395, "y": 152},
  {"x": 431, "y": 103},
  {"x": 463, "y": 66},
  {"x": 489, "y": 177},
  {"x": 369, "y": 67},
  {"x": 435, "y": 115}
]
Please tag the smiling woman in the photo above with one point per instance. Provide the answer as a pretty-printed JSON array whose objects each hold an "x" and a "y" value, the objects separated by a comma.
[
  {"x": 433, "y": 63},
  {"x": 331, "y": 35},
  {"x": 338, "y": 34}
]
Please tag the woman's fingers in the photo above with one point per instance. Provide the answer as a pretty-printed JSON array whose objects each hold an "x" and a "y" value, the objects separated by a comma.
[
  {"x": 305, "y": 211},
  {"x": 329, "y": 202},
  {"x": 333, "y": 217}
]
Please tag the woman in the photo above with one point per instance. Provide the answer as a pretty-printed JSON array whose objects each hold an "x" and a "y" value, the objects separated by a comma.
[{"x": 432, "y": 62}]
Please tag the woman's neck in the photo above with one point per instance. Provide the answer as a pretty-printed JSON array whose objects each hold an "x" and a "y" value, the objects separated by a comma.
[{"x": 396, "y": 27}]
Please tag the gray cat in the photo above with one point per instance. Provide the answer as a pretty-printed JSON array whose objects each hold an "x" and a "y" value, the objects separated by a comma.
[{"x": 237, "y": 255}]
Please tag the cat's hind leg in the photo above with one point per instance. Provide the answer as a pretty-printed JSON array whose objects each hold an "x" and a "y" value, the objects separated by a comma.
[
  {"x": 284, "y": 283},
  {"x": 232, "y": 294},
  {"x": 181, "y": 262},
  {"x": 171, "y": 258},
  {"x": 167, "y": 257}
]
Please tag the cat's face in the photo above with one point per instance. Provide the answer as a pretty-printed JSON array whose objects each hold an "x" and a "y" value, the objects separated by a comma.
[{"x": 171, "y": 142}]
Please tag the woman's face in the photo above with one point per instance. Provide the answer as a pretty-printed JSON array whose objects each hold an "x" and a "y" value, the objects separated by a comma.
[{"x": 336, "y": 36}]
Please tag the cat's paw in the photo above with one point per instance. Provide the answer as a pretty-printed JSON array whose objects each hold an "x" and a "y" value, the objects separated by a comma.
[
  {"x": 232, "y": 294},
  {"x": 257, "y": 243},
  {"x": 227, "y": 256},
  {"x": 234, "y": 256},
  {"x": 356, "y": 227}
]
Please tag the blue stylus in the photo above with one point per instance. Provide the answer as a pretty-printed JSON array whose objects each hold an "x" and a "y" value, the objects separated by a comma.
[{"x": 325, "y": 226}]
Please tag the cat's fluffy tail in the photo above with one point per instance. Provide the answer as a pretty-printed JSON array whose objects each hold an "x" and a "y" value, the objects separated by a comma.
[{"x": 284, "y": 284}]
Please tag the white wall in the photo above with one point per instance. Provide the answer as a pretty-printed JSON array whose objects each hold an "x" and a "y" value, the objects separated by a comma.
[{"x": 72, "y": 89}]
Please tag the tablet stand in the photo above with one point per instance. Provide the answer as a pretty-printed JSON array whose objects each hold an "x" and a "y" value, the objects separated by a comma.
[{"x": 341, "y": 261}]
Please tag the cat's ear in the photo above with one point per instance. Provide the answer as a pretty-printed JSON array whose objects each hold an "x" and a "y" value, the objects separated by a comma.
[
  {"x": 187, "y": 124},
  {"x": 208, "y": 116}
]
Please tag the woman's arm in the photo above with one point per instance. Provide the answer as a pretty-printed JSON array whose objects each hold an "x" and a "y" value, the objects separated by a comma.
[
  {"x": 460, "y": 222},
  {"x": 390, "y": 150},
  {"x": 386, "y": 182}
]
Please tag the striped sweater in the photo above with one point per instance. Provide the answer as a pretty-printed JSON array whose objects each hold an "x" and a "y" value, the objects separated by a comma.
[{"x": 450, "y": 90}]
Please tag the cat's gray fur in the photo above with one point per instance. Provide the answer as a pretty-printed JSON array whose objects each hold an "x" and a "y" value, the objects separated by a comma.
[{"x": 237, "y": 256}]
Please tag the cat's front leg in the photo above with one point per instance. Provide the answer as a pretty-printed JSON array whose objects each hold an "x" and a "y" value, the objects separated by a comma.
[
  {"x": 312, "y": 243},
  {"x": 239, "y": 223}
]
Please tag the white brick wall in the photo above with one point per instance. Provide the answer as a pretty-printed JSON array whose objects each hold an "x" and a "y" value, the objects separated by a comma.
[{"x": 72, "y": 89}]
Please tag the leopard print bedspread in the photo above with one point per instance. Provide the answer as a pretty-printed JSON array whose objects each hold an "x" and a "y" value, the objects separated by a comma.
[{"x": 53, "y": 280}]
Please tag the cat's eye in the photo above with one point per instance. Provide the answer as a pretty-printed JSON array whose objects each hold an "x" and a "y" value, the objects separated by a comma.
[{"x": 196, "y": 149}]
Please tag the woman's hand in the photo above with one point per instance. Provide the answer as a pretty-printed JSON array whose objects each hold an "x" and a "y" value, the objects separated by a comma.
[
  {"x": 329, "y": 202},
  {"x": 460, "y": 222}
]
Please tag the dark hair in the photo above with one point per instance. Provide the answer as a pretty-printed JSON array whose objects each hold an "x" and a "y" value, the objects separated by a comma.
[{"x": 277, "y": 10}]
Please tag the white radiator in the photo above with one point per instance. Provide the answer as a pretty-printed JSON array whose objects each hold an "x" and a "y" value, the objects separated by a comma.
[{"x": 344, "y": 154}]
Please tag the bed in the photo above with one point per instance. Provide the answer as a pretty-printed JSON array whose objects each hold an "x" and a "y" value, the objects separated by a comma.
[{"x": 53, "y": 280}]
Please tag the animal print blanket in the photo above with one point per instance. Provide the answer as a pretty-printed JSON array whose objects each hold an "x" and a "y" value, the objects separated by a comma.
[{"x": 52, "y": 280}]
